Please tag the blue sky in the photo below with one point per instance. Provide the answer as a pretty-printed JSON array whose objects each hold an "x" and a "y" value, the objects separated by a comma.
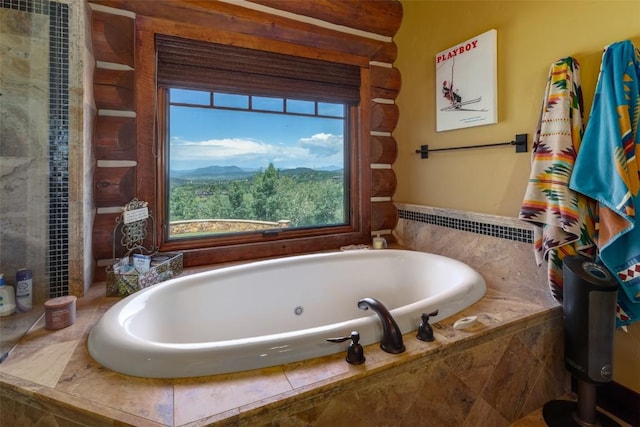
[{"x": 203, "y": 137}]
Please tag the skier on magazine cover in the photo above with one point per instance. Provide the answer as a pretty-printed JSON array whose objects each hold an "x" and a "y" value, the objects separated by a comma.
[{"x": 450, "y": 94}]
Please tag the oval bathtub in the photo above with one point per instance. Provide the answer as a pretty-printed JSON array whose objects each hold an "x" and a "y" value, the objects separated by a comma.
[{"x": 272, "y": 312}]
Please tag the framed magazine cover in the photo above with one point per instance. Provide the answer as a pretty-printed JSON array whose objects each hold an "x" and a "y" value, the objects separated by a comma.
[{"x": 466, "y": 83}]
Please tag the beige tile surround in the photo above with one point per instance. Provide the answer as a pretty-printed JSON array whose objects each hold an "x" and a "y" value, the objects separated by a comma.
[{"x": 495, "y": 374}]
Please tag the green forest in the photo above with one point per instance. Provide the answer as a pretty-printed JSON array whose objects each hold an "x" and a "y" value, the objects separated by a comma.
[{"x": 306, "y": 197}]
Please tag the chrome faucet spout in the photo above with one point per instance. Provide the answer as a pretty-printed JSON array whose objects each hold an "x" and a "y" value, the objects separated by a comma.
[{"x": 391, "y": 335}]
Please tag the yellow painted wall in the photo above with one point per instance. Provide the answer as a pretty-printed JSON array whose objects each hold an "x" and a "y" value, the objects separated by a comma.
[{"x": 531, "y": 36}]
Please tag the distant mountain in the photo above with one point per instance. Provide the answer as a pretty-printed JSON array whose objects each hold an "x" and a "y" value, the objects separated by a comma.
[
  {"x": 235, "y": 172},
  {"x": 297, "y": 171},
  {"x": 213, "y": 172}
]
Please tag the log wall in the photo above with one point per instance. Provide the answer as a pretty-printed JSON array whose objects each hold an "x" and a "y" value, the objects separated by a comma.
[{"x": 113, "y": 30}]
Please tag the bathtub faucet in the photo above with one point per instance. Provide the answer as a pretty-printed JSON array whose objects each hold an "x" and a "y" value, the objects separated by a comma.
[{"x": 391, "y": 335}]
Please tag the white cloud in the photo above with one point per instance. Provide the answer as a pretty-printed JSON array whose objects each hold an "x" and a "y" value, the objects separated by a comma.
[
  {"x": 323, "y": 144},
  {"x": 217, "y": 148},
  {"x": 319, "y": 150}
]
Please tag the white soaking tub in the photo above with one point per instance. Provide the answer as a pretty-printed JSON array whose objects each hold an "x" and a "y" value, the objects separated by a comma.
[{"x": 268, "y": 313}]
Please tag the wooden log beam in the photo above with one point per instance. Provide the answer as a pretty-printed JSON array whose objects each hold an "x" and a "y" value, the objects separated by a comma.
[
  {"x": 379, "y": 17},
  {"x": 112, "y": 37},
  {"x": 388, "y": 53},
  {"x": 103, "y": 231},
  {"x": 114, "y": 138},
  {"x": 238, "y": 19},
  {"x": 384, "y": 216},
  {"x": 384, "y": 117},
  {"x": 113, "y": 186},
  {"x": 383, "y": 182},
  {"x": 113, "y": 89},
  {"x": 385, "y": 82},
  {"x": 384, "y": 149}
]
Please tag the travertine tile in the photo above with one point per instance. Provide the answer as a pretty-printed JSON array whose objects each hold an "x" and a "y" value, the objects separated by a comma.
[
  {"x": 490, "y": 374},
  {"x": 475, "y": 366},
  {"x": 546, "y": 384},
  {"x": 18, "y": 414},
  {"x": 443, "y": 400},
  {"x": 512, "y": 380},
  {"x": 42, "y": 366},
  {"x": 197, "y": 398},
  {"x": 483, "y": 414},
  {"x": 546, "y": 342},
  {"x": 387, "y": 390},
  {"x": 24, "y": 157},
  {"x": 148, "y": 398},
  {"x": 305, "y": 417},
  {"x": 386, "y": 402},
  {"x": 317, "y": 370}
]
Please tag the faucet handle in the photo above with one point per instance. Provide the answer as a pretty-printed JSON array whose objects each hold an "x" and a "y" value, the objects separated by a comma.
[
  {"x": 425, "y": 331},
  {"x": 355, "y": 352}
]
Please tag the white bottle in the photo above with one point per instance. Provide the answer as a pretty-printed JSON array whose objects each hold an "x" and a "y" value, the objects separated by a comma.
[
  {"x": 24, "y": 290},
  {"x": 7, "y": 298}
]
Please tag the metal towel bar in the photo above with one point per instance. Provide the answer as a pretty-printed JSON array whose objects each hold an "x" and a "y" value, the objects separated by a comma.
[{"x": 520, "y": 143}]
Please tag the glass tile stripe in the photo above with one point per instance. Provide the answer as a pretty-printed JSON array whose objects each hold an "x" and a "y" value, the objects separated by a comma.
[
  {"x": 487, "y": 229},
  {"x": 58, "y": 149}
]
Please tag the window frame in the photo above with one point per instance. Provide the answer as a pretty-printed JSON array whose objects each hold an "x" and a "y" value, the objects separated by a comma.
[
  {"x": 164, "y": 106},
  {"x": 152, "y": 128}
]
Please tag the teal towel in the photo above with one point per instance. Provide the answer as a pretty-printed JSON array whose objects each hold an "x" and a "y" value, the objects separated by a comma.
[{"x": 606, "y": 170}]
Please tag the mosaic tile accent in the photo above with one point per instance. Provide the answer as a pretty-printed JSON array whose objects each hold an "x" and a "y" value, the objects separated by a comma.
[
  {"x": 31, "y": 6},
  {"x": 58, "y": 251},
  {"x": 485, "y": 228},
  {"x": 59, "y": 150}
]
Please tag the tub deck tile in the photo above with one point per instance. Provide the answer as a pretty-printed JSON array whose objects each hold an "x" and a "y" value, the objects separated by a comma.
[
  {"x": 202, "y": 397},
  {"x": 305, "y": 373},
  {"x": 317, "y": 392},
  {"x": 143, "y": 397}
]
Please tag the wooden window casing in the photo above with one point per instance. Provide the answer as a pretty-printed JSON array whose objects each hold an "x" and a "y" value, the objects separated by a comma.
[
  {"x": 198, "y": 65},
  {"x": 151, "y": 162}
]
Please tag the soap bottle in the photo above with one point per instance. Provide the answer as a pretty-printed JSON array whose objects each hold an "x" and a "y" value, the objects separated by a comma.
[
  {"x": 7, "y": 298},
  {"x": 379, "y": 242}
]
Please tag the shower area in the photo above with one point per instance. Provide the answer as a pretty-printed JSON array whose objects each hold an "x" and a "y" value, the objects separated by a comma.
[{"x": 42, "y": 159}]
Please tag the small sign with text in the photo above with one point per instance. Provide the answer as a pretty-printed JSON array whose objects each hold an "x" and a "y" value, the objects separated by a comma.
[{"x": 135, "y": 215}]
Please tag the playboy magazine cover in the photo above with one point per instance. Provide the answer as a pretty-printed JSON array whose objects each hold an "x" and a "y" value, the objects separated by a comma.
[{"x": 466, "y": 83}]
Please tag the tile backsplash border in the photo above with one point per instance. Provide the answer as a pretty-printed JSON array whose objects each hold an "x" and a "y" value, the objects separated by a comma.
[
  {"x": 499, "y": 248},
  {"x": 488, "y": 225}
]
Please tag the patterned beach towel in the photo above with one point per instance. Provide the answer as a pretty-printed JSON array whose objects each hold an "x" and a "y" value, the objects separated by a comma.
[
  {"x": 564, "y": 221},
  {"x": 607, "y": 170}
]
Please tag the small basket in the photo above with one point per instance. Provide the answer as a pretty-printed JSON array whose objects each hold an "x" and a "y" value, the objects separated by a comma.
[
  {"x": 164, "y": 266},
  {"x": 124, "y": 284}
]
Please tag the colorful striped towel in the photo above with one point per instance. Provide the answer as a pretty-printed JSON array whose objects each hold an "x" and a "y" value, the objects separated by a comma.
[
  {"x": 564, "y": 221},
  {"x": 607, "y": 170}
]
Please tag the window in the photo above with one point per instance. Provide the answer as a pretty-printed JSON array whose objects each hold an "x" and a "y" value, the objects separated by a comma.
[
  {"x": 260, "y": 151},
  {"x": 241, "y": 164}
]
